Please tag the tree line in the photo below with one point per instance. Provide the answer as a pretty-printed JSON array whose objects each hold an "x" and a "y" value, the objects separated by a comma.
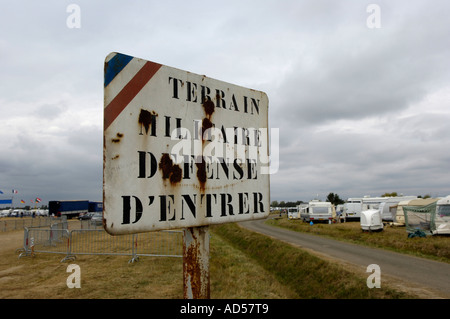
[{"x": 332, "y": 198}]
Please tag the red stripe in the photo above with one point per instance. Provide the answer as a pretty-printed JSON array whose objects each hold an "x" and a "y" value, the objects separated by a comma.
[{"x": 118, "y": 104}]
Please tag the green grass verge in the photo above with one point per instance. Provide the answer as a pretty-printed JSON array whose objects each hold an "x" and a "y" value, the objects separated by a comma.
[{"x": 307, "y": 275}]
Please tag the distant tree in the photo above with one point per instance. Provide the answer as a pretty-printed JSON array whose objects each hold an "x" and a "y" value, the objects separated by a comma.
[
  {"x": 285, "y": 204},
  {"x": 393, "y": 194},
  {"x": 334, "y": 199}
]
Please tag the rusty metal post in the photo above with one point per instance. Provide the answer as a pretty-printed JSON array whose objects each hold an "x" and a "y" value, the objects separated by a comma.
[{"x": 196, "y": 263}]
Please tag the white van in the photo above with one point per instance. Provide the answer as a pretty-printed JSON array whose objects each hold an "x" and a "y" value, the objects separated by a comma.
[
  {"x": 317, "y": 211},
  {"x": 442, "y": 218}
]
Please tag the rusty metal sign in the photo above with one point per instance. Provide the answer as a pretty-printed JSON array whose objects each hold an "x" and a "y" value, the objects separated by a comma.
[{"x": 180, "y": 149}]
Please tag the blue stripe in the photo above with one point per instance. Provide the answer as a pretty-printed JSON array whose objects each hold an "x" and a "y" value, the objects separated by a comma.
[{"x": 114, "y": 66}]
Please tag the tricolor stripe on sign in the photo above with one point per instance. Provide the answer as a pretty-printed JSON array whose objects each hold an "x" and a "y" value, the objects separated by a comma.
[{"x": 113, "y": 67}]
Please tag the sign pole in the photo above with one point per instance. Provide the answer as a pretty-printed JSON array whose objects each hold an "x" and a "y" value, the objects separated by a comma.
[{"x": 196, "y": 263}]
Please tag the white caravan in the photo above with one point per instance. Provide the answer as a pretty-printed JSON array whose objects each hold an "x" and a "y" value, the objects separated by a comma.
[
  {"x": 371, "y": 220},
  {"x": 442, "y": 218},
  {"x": 354, "y": 206},
  {"x": 388, "y": 209},
  {"x": 293, "y": 213},
  {"x": 317, "y": 211},
  {"x": 5, "y": 213}
]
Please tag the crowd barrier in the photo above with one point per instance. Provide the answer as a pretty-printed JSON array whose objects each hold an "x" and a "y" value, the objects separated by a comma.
[
  {"x": 17, "y": 223},
  {"x": 59, "y": 239}
]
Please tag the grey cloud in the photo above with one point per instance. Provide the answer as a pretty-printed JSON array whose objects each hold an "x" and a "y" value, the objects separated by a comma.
[{"x": 325, "y": 72}]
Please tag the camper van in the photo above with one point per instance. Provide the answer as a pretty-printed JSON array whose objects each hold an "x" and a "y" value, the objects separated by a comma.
[
  {"x": 354, "y": 206},
  {"x": 317, "y": 211},
  {"x": 400, "y": 215},
  {"x": 442, "y": 218},
  {"x": 388, "y": 209}
]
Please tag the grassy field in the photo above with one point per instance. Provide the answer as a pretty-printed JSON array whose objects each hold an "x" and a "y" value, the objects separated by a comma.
[
  {"x": 392, "y": 238},
  {"x": 243, "y": 264},
  {"x": 233, "y": 275}
]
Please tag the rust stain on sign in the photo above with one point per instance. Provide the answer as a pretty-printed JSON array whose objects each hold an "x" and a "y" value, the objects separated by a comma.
[
  {"x": 208, "y": 105},
  {"x": 169, "y": 170},
  {"x": 118, "y": 137},
  {"x": 146, "y": 118},
  {"x": 206, "y": 124},
  {"x": 201, "y": 173}
]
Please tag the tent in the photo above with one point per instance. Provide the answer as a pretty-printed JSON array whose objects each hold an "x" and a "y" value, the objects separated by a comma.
[
  {"x": 432, "y": 219},
  {"x": 400, "y": 216}
]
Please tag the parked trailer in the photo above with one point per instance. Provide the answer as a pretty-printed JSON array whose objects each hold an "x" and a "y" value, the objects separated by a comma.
[
  {"x": 70, "y": 208},
  {"x": 388, "y": 209},
  {"x": 371, "y": 220},
  {"x": 317, "y": 211}
]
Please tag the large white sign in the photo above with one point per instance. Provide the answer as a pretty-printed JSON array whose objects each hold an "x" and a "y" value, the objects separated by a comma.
[{"x": 180, "y": 149}]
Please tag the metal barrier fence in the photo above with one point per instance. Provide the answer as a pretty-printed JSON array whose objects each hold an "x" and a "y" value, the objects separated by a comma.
[
  {"x": 16, "y": 223},
  {"x": 60, "y": 240}
]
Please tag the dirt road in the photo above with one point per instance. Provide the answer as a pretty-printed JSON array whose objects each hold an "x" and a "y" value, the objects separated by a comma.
[
  {"x": 10, "y": 241},
  {"x": 426, "y": 277}
]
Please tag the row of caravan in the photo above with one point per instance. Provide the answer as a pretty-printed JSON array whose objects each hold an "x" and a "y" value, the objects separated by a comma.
[
  {"x": 352, "y": 209},
  {"x": 430, "y": 214},
  {"x": 316, "y": 210},
  {"x": 23, "y": 212},
  {"x": 372, "y": 212}
]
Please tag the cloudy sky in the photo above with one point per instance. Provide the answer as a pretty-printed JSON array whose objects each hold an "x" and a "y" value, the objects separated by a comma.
[{"x": 360, "y": 95}]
